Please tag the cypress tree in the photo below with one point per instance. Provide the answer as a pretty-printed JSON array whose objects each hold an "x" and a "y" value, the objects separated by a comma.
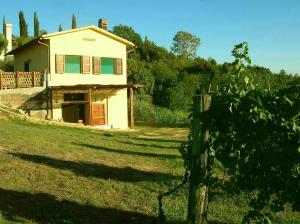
[
  {"x": 60, "y": 28},
  {"x": 23, "y": 25},
  {"x": 74, "y": 24},
  {"x": 36, "y": 25},
  {"x": 3, "y": 26}
]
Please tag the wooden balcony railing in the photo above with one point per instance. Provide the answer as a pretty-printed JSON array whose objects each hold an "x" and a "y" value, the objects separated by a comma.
[{"x": 14, "y": 80}]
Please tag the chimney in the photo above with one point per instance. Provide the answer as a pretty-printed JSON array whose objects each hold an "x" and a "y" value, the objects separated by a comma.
[
  {"x": 8, "y": 36},
  {"x": 103, "y": 23}
]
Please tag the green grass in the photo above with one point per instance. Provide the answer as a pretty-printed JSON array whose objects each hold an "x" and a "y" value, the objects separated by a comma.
[{"x": 55, "y": 174}]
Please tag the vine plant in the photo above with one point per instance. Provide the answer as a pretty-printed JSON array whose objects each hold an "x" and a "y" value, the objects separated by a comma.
[{"x": 255, "y": 134}]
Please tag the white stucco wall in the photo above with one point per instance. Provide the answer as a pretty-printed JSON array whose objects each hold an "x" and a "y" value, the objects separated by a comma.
[{"x": 88, "y": 43}]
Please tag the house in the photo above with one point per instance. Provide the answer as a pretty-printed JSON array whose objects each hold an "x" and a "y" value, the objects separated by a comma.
[{"x": 86, "y": 75}]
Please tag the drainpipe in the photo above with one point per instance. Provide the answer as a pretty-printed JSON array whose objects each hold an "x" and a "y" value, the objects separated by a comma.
[
  {"x": 46, "y": 77},
  {"x": 48, "y": 62}
]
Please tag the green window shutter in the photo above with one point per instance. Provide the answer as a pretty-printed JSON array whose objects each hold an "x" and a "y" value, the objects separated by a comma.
[
  {"x": 107, "y": 66},
  {"x": 72, "y": 64}
]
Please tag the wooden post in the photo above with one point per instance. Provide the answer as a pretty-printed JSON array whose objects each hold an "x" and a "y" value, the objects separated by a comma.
[
  {"x": 131, "y": 109},
  {"x": 198, "y": 192},
  {"x": 1, "y": 80},
  {"x": 33, "y": 79},
  {"x": 17, "y": 79},
  {"x": 49, "y": 104},
  {"x": 90, "y": 106}
]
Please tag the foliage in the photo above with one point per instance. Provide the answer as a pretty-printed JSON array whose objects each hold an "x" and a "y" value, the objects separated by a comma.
[
  {"x": 3, "y": 43},
  {"x": 145, "y": 111},
  {"x": 185, "y": 45},
  {"x": 240, "y": 53},
  {"x": 23, "y": 25},
  {"x": 255, "y": 133},
  {"x": 7, "y": 64},
  {"x": 60, "y": 28},
  {"x": 139, "y": 73},
  {"x": 36, "y": 25},
  {"x": 43, "y": 32},
  {"x": 165, "y": 81},
  {"x": 128, "y": 33},
  {"x": 74, "y": 23},
  {"x": 3, "y": 26},
  {"x": 19, "y": 41}
]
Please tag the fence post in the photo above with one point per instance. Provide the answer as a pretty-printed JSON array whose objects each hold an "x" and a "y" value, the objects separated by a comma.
[
  {"x": 33, "y": 79},
  {"x": 1, "y": 80},
  {"x": 198, "y": 192},
  {"x": 17, "y": 79}
]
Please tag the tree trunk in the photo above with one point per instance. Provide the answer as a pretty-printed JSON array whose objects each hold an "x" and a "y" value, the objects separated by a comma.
[{"x": 198, "y": 192}]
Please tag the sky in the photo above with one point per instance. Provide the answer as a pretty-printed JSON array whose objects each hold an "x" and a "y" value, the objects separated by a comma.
[{"x": 271, "y": 27}]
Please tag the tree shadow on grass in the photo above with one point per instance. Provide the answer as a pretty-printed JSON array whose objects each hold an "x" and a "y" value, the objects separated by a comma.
[
  {"x": 135, "y": 153},
  {"x": 126, "y": 174},
  {"x": 46, "y": 209},
  {"x": 159, "y": 140},
  {"x": 149, "y": 145}
]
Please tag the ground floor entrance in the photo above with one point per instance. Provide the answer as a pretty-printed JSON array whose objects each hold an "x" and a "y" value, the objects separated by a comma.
[
  {"x": 98, "y": 114},
  {"x": 74, "y": 113},
  {"x": 94, "y": 105}
]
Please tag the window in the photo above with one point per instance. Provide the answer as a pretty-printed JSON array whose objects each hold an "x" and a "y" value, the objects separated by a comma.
[
  {"x": 27, "y": 65},
  {"x": 72, "y": 64},
  {"x": 107, "y": 66}
]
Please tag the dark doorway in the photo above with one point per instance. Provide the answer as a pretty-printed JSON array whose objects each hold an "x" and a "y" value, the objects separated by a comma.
[{"x": 74, "y": 113}]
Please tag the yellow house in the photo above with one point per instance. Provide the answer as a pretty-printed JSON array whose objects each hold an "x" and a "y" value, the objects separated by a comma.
[{"x": 86, "y": 80}]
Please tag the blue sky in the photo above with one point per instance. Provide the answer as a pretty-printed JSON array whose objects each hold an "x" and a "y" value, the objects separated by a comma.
[{"x": 271, "y": 27}]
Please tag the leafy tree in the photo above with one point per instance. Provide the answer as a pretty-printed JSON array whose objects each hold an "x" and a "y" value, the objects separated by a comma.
[
  {"x": 165, "y": 81},
  {"x": 185, "y": 45},
  {"x": 128, "y": 33},
  {"x": 3, "y": 43},
  {"x": 153, "y": 53},
  {"x": 23, "y": 25},
  {"x": 139, "y": 73},
  {"x": 43, "y": 32},
  {"x": 74, "y": 23},
  {"x": 60, "y": 28},
  {"x": 36, "y": 25}
]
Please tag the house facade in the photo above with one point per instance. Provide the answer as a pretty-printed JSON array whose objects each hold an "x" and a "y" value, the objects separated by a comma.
[{"x": 86, "y": 75}]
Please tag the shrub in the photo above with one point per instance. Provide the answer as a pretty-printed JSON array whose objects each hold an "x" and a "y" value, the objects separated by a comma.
[
  {"x": 145, "y": 111},
  {"x": 7, "y": 65}
]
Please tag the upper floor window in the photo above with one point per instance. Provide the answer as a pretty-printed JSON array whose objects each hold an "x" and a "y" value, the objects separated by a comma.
[
  {"x": 107, "y": 66},
  {"x": 81, "y": 64},
  {"x": 72, "y": 64}
]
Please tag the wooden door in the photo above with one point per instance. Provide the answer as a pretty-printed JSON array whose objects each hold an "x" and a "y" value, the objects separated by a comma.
[{"x": 98, "y": 114}]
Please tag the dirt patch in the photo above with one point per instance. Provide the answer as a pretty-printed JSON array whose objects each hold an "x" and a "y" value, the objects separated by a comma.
[{"x": 2, "y": 117}]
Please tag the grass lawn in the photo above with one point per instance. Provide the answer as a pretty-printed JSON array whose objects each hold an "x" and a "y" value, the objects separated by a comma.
[{"x": 54, "y": 174}]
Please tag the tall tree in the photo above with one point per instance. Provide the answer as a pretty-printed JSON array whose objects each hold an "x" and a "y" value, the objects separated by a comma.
[
  {"x": 60, "y": 28},
  {"x": 185, "y": 45},
  {"x": 3, "y": 25},
  {"x": 23, "y": 25},
  {"x": 3, "y": 43},
  {"x": 36, "y": 25},
  {"x": 128, "y": 33},
  {"x": 74, "y": 24}
]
